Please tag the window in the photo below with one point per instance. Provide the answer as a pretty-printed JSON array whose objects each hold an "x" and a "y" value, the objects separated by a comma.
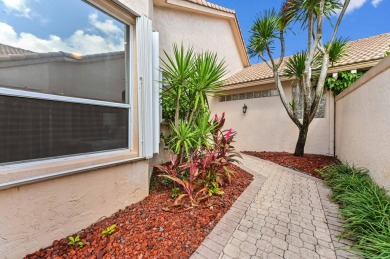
[
  {"x": 298, "y": 96},
  {"x": 63, "y": 80},
  {"x": 249, "y": 95}
]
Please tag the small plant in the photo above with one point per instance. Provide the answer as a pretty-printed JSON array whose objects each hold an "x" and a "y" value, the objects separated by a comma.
[
  {"x": 214, "y": 189},
  {"x": 110, "y": 230},
  {"x": 387, "y": 52},
  {"x": 74, "y": 241},
  {"x": 175, "y": 192}
]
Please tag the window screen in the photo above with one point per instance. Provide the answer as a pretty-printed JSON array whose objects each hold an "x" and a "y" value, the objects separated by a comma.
[{"x": 33, "y": 128}]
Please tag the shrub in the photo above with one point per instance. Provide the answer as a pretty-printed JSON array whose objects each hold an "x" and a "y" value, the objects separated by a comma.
[
  {"x": 366, "y": 208},
  {"x": 207, "y": 166}
]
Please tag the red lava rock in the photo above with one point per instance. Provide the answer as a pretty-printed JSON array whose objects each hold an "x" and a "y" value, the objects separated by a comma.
[
  {"x": 308, "y": 164},
  {"x": 144, "y": 230}
]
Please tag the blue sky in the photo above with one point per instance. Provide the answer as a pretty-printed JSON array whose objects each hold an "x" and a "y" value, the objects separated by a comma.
[{"x": 364, "y": 18}]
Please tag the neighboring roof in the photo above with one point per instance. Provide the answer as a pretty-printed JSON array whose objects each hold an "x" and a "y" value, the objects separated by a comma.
[
  {"x": 359, "y": 52},
  {"x": 213, "y": 6},
  {"x": 39, "y": 58},
  {"x": 6, "y": 50}
]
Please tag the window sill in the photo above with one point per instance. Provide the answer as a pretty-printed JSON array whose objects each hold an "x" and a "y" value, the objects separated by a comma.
[{"x": 13, "y": 175}]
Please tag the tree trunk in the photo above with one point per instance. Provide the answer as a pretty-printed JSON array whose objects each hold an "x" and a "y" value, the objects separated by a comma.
[{"x": 300, "y": 147}]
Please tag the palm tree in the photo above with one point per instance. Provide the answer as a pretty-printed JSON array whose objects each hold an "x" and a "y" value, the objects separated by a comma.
[{"x": 270, "y": 28}]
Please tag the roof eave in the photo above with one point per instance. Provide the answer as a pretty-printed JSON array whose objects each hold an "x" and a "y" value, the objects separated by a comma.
[{"x": 268, "y": 80}]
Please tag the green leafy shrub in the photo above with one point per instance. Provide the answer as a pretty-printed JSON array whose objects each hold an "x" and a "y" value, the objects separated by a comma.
[
  {"x": 207, "y": 166},
  {"x": 344, "y": 80},
  {"x": 366, "y": 208},
  {"x": 108, "y": 231},
  {"x": 75, "y": 241}
]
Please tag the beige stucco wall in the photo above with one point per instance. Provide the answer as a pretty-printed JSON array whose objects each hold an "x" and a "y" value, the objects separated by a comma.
[
  {"x": 33, "y": 216},
  {"x": 363, "y": 123},
  {"x": 267, "y": 127},
  {"x": 202, "y": 32}
]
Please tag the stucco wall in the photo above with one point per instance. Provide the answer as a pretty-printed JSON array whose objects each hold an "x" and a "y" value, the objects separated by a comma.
[
  {"x": 33, "y": 216},
  {"x": 203, "y": 32},
  {"x": 363, "y": 123},
  {"x": 267, "y": 127}
]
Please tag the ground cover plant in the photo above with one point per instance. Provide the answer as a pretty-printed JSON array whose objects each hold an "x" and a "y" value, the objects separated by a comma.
[
  {"x": 145, "y": 230},
  {"x": 365, "y": 207},
  {"x": 309, "y": 164}
]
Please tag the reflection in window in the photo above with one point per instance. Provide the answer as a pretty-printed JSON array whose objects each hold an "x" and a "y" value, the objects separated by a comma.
[
  {"x": 80, "y": 54},
  {"x": 61, "y": 48}
]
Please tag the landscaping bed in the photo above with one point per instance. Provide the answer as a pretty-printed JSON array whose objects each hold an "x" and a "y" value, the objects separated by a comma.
[
  {"x": 309, "y": 163},
  {"x": 145, "y": 230},
  {"x": 365, "y": 207}
]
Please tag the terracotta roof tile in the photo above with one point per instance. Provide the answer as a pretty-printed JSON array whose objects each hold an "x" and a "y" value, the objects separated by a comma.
[
  {"x": 213, "y": 6},
  {"x": 367, "y": 49},
  {"x": 6, "y": 50}
]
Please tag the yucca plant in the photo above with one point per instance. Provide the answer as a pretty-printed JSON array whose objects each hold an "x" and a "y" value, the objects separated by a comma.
[
  {"x": 177, "y": 71},
  {"x": 184, "y": 139}
]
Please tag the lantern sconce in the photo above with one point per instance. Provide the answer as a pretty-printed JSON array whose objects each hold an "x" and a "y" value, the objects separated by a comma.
[{"x": 244, "y": 108}]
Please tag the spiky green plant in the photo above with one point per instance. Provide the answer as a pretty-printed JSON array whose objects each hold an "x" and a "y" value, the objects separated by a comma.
[{"x": 365, "y": 207}]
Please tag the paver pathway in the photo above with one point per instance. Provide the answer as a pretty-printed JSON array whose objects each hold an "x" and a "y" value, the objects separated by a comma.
[{"x": 282, "y": 214}]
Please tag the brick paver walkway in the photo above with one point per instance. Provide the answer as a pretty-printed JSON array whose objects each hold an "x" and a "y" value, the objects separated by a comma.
[{"x": 282, "y": 214}]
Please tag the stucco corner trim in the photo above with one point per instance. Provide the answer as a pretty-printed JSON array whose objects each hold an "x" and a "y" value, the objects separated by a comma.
[{"x": 376, "y": 70}]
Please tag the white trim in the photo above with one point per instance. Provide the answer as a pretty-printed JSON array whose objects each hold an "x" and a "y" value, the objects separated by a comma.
[
  {"x": 130, "y": 84},
  {"x": 35, "y": 179},
  {"x": 57, "y": 159},
  {"x": 60, "y": 98},
  {"x": 156, "y": 92}
]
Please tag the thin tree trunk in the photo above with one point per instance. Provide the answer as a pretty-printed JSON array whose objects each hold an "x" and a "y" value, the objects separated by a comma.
[
  {"x": 177, "y": 112},
  {"x": 300, "y": 146}
]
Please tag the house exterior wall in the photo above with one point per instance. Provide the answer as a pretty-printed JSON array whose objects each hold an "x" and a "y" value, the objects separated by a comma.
[
  {"x": 36, "y": 213},
  {"x": 33, "y": 216},
  {"x": 363, "y": 123},
  {"x": 266, "y": 126},
  {"x": 202, "y": 32}
]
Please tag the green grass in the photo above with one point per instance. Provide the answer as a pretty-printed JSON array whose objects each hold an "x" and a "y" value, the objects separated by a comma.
[{"x": 366, "y": 208}]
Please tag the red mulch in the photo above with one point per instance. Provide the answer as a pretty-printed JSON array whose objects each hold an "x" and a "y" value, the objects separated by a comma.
[
  {"x": 144, "y": 230},
  {"x": 308, "y": 164}
]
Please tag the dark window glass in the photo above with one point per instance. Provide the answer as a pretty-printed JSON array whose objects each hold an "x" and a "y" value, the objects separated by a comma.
[{"x": 33, "y": 129}]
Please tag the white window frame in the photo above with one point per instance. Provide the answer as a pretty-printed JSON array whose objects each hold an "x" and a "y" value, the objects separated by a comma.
[{"x": 67, "y": 99}]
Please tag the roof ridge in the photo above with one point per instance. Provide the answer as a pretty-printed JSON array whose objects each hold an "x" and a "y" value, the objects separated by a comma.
[{"x": 212, "y": 5}]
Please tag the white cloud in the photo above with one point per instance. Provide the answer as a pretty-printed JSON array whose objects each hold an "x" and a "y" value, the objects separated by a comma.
[
  {"x": 79, "y": 42},
  {"x": 20, "y": 6},
  {"x": 375, "y": 3},
  {"x": 107, "y": 27},
  {"x": 357, "y": 4}
]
